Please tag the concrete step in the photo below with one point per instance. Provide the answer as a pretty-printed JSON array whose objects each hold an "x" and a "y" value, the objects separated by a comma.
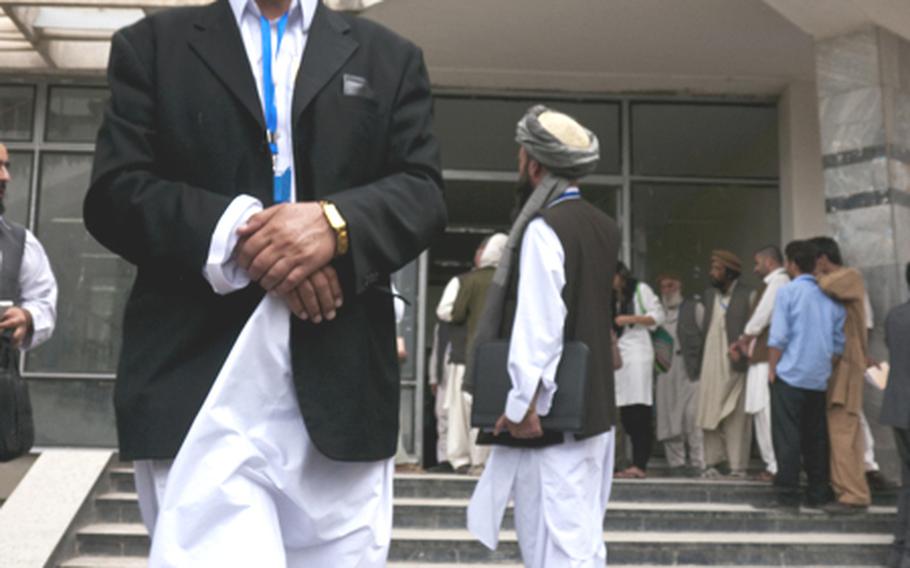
[
  {"x": 633, "y": 547},
  {"x": 664, "y": 490},
  {"x": 622, "y": 515},
  {"x": 106, "y": 562},
  {"x": 625, "y": 547},
  {"x": 656, "y": 516}
]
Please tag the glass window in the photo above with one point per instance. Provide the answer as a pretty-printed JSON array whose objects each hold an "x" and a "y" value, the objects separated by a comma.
[
  {"x": 479, "y": 133},
  {"x": 675, "y": 227},
  {"x": 93, "y": 282},
  {"x": 704, "y": 140},
  {"x": 17, "y": 112},
  {"x": 18, "y": 189},
  {"x": 74, "y": 113}
]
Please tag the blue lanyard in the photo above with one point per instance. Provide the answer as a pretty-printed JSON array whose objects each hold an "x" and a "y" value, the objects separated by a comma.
[{"x": 281, "y": 186}]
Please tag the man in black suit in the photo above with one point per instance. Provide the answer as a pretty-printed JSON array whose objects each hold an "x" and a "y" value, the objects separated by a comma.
[
  {"x": 253, "y": 146},
  {"x": 896, "y": 413}
]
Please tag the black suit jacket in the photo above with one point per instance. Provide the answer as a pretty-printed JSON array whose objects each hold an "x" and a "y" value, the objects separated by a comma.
[
  {"x": 183, "y": 135},
  {"x": 896, "y": 402}
]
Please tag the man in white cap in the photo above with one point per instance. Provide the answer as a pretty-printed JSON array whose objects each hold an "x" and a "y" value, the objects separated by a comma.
[
  {"x": 461, "y": 304},
  {"x": 559, "y": 482}
]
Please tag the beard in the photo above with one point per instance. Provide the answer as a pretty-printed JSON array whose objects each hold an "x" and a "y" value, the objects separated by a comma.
[
  {"x": 523, "y": 190},
  {"x": 672, "y": 300},
  {"x": 718, "y": 283}
]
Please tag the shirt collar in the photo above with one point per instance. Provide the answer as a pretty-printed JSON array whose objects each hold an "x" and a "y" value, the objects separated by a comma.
[
  {"x": 569, "y": 193},
  {"x": 239, "y": 7},
  {"x": 806, "y": 277},
  {"x": 774, "y": 273}
]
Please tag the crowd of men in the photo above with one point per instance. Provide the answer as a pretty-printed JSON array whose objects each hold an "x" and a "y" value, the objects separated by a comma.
[{"x": 712, "y": 394}]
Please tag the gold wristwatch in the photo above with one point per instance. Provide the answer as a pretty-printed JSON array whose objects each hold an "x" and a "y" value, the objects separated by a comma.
[{"x": 338, "y": 224}]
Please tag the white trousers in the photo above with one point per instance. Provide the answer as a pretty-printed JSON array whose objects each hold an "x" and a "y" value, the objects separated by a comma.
[
  {"x": 461, "y": 447},
  {"x": 560, "y": 495},
  {"x": 758, "y": 404},
  {"x": 442, "y": 423},
  {"x": 869, "y": 454},
  {"x": 762, "y": 424},
  {"x": 248, "y": 486}
]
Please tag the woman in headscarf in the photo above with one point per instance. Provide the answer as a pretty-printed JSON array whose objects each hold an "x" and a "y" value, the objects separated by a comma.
[{"x": 637, "y": 312}]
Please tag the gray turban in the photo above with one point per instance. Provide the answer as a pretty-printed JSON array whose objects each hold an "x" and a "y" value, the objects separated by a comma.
[{"x": 563, "y": 146}]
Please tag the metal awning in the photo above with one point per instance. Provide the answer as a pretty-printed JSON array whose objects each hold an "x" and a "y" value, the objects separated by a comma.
[{"x": 73, "y": 36}]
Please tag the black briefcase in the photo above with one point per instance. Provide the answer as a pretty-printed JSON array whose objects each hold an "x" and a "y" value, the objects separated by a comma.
[
  {"x": 492, "y": 385},
  {"x": 17, "y": 427}
]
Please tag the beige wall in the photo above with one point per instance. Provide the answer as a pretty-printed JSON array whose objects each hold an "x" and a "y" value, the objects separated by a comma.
[{"x": 802, "y": 191}]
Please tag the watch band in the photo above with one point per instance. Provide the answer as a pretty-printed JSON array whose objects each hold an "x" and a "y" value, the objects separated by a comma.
[{"x": 338, "y": 224}]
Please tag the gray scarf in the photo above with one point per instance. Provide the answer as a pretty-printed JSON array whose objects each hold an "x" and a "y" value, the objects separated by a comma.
[{"x": 565, "y": 163}]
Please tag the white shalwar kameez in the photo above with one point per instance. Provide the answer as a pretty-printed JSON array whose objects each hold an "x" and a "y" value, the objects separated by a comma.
[
  {"x": 560, "y": 492},
  {"x": 635, "y": 380},
  {"x": 758, "y": 395},
  {"x": 461, "y": 447},
  {"x": 248, "y": 487}
]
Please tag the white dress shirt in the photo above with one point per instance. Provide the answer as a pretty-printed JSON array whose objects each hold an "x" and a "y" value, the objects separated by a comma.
[
  {"x": 761, "y": 318},
  {"x": 220, "y": 270},
  {"x": 38, "y": 290},
  {"x": 446, "y": 305},
  {"x": 536, "y": 344}
]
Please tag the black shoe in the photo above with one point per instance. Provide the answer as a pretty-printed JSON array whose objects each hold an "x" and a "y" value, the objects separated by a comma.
[
  {"x": 444, "y": 467},
  {"x": 838, "y": 508},
  {"x": 878, "y": 482}
]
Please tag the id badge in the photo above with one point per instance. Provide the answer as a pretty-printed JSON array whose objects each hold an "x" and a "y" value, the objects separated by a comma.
[{"x": 282, "y": 187}]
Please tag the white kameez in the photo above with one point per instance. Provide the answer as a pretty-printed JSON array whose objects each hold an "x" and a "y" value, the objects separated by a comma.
[
  {"x": 560, "y": 492},
  {"x": 758, "y": 395},
  {"x": 461, "y": 447},
  {"x": 635, "y": 380},
  {"x": 249, "y": 488}
]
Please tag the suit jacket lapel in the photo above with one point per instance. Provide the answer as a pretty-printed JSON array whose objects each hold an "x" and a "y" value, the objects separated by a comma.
[
  {"x": 218, "y": 43},
  {"x": 328, "y": 47}
]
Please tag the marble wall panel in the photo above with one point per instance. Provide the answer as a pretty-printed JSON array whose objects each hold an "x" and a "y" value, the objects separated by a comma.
[
  {"x": 73, "y": 412},
  {"x": 899, "y": 177},
  {"x": 862, "y": 177},
  {"x": 901, "y": 234},
  {"x": 852, "y": 120},
  {"x": 866, "y": 235},
  {"x": 848, "y": 62}
]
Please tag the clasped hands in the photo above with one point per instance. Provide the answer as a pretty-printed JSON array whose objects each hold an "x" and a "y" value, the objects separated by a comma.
[{"x": 287, "y": 249}]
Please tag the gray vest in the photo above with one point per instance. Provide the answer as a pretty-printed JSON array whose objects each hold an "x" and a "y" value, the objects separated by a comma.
[
  {"x": 12, "y": 249},
  {"x": 737, "y": 316},
  {"x": 690, "y": 336}
]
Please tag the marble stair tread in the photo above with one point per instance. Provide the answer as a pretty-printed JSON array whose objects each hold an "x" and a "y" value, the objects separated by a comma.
[
  {"x": 631, "y": 506},
  {"x": 106, "y": 562},
  {"x": 137, "y": 529},
  {"x": 838, "y": 539}
]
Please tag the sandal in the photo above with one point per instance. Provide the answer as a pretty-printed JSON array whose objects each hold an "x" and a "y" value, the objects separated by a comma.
[{"x": 631, "y": 473}]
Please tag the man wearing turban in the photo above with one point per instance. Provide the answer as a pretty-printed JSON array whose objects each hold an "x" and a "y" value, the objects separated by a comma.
[
  {"x": 566, "y": 250},
  {"x": 722, "y": 387}
]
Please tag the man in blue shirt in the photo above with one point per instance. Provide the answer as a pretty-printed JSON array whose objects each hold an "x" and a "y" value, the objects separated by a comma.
[{"x": 807, "y": 334}]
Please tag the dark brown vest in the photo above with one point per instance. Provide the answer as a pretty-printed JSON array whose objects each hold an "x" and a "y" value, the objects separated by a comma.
[
  {"x": 760, "y": 351},
  {"x": 590, "y": 240},
  {"x": 737, "y": 317}
]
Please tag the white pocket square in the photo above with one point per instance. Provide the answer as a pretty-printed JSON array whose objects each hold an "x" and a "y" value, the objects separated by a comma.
[{"x": 356, "y": 86}]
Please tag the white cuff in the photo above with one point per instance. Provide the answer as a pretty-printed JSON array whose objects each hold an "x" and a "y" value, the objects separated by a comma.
[
  {"x": 42, "y": 325},
  {"x": 516, "y": 406},
  {"x": 545, "y": 397},
  {"x": 220, "y": 269}
]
